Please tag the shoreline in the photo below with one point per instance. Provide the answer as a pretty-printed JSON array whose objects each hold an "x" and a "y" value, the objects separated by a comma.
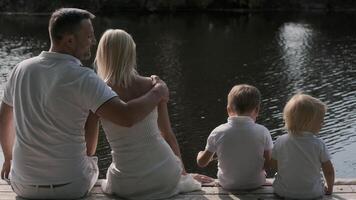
[{"x": 193, "y": 11}]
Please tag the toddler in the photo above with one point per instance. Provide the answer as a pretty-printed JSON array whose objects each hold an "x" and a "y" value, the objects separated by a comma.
[{"x": 300, "y": 156}]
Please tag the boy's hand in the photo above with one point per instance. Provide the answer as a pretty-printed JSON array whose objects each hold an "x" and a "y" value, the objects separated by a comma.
[
  {"x": 327, "y": 191},
  {"x": 202, "y": 178},
  {"x": 5, "y": 171}
]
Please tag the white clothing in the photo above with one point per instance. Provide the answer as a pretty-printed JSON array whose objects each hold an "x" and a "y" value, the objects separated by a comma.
[
  {"x": 240, "y": 144},
  {"x": 144, "y": 166},
  {"x": 299, "y": 159},
  {"x": 51, "y": 95},
  {"x": 73, "y": 190}
]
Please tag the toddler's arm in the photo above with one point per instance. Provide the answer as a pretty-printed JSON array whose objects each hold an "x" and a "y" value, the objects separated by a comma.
[
  {"x": 91, "y": 133},
  {"x": 204, "y": 157},
  {"x": 329, "y": 174}
]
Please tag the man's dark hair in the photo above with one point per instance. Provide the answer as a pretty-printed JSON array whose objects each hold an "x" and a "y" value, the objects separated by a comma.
[{"x": 66, "y": 20}]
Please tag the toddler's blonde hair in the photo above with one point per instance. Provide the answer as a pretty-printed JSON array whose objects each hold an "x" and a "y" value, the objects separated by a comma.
[
  {"x": 116, "y": 57},
  {"x": 304, "y": 113}
]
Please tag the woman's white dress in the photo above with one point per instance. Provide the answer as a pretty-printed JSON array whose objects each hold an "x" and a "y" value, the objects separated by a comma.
[{"x": 144, "y": 166}]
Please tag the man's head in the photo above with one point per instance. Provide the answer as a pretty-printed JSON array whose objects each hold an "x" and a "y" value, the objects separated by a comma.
[
  {"x": 71, "y": 32},
  {"x": 244, "y": 100}
]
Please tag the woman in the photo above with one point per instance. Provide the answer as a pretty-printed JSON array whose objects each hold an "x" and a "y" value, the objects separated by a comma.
[{"x": 146, "y": 157}]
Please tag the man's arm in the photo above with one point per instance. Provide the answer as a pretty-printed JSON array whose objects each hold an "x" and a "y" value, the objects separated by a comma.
[
  {"x": 204, "y": 158},
  {"x": 267, "y": 154},
  {"x": 7, "y": 137},
  {"x": 274, "y": 165},
  {"x": 91, "y": 133},
  {"x": 127, "y": 114}
]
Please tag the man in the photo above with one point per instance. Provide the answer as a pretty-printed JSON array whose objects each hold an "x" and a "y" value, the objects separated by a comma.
[{"x": 46, "y": 103}]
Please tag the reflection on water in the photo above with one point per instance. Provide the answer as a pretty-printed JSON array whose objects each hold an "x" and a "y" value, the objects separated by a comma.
[
  {"x": 202, "y": 56},
  {"x": 295, "y": 42}
]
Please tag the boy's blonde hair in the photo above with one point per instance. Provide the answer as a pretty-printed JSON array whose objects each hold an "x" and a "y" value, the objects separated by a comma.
[
  {"x": 116, "y": 57},
  {"x": 244, "y": 98},
  {"x": 304, "y": 113}
]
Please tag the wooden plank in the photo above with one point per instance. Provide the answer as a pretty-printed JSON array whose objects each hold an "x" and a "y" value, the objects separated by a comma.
[
  {"x": 269, "y": 181},
  {"x": 3, "y": 182},
  {"x": 5, "y": 188},
  {"x": 343, "y": 190},
  {"x": 225, "y": 197}
]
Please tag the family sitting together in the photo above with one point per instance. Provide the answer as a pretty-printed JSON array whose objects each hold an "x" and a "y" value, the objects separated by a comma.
[{"x": 49, "y": 125}]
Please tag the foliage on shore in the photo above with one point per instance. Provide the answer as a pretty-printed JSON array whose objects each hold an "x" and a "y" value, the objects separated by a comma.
[{"x": 113, "y": 6}]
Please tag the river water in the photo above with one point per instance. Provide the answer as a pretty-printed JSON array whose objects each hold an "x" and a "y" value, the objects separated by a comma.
[{"x": 201, "y": 56}]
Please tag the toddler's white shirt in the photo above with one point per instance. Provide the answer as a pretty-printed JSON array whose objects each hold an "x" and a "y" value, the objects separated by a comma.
[{"x": 299, "y": 165}]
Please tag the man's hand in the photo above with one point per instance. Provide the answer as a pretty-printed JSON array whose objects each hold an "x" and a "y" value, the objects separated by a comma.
[
  {"x": 5, "y": 171},
  {"x": 161, "y": 87}
]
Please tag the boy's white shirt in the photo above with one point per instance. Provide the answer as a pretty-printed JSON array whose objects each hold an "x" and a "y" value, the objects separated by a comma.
[
  {"x": 299, "y": 165},
  {"x": 240, "y": 144}
]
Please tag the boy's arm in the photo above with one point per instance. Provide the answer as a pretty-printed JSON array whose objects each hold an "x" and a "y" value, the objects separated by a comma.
[
  {"x": 127, "y": 114},
  {"x": 7, "y": 137},
  {"x": 329, "y": 174},
  {"x": 91, "y": 133},
  {"x": 267, "y": 154},
  {"x": 204, "y": 157}
]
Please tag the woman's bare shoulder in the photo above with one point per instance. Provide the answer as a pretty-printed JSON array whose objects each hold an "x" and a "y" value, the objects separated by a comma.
[{"x": 145, "y": 83}]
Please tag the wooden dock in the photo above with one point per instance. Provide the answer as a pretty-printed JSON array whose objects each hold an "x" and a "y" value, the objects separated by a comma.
[{"x": 343, "y": 189}]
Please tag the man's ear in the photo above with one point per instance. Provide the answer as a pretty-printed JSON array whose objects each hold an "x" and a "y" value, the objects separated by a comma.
[
  {"x": 257, "y": 110},
  {"x": 69, "y": 41}
]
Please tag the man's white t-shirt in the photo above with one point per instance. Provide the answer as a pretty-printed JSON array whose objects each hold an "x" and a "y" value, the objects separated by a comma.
[
  {"x": 299, "y": 161},
  {"x": 240, "y": 144},
  {"x": 51, "y": 96}
]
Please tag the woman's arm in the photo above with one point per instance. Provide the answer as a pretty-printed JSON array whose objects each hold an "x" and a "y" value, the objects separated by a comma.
[
  {"x": 91, "y": 133},
  {"x": 166, "y": 131}
]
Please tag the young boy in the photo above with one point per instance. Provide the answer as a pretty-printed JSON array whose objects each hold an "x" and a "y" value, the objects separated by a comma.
[{"x": 243, "y": 147}]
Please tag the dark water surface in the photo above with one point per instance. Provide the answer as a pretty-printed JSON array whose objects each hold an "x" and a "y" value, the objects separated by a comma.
[{"x": 202, "y": 56}]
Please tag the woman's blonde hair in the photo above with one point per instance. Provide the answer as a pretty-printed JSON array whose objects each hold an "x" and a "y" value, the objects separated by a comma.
[
  {"x": 304, "y": 113},
  {"x": 116, "y": 57}
]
